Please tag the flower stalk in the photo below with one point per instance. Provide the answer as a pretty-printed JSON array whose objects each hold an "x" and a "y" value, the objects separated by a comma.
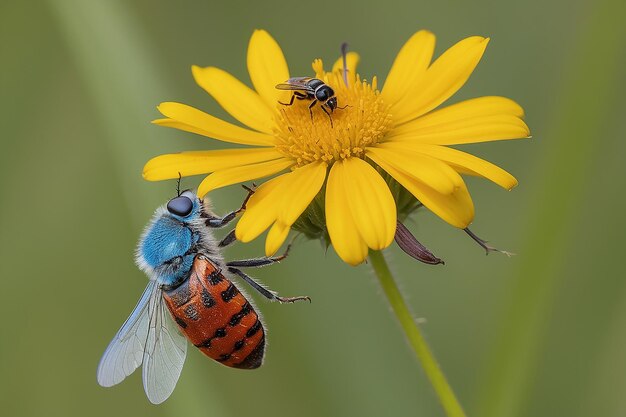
[{"x": 437, "y": 379}]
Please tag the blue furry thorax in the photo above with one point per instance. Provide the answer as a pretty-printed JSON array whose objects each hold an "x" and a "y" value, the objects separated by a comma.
[{"x": 168, "y": 246}]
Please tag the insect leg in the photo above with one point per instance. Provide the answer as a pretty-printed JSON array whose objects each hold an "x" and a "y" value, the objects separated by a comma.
[
  {"x": 259, "y": 262},
  {"x": 228, "y": 239},
  {"x": 313, "y": 103},
  {"x": 222, "y": 221},
  {"x": 293, "y": 96},
  {"x": 328, "y": 114},
  {"x": 484, "y": 245},
  {"x": 271, "y": 295}
]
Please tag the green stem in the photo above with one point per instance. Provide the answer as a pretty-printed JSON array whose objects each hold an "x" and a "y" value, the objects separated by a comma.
[{"x": 416, "y": 339}]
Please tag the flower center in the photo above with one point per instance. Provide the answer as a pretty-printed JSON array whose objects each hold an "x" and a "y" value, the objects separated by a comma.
[{"x": 361, "y": 119}]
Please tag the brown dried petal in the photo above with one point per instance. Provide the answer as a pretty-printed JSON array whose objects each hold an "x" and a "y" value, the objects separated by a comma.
[{"x": 410, "y": 245}]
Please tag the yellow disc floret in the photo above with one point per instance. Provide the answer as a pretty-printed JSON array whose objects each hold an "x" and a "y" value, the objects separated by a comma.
[{"x": 362, "y": 119}]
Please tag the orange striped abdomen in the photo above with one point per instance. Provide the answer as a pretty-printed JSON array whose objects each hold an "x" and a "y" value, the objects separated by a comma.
[{"x": 216, "y": 317}]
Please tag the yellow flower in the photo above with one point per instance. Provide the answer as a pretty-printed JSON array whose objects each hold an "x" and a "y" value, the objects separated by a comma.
[{"x": 378, "y": 142}]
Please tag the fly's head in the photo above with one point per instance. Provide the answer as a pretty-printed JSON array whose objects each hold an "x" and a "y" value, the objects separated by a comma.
[{"x": 167, "y": 247}]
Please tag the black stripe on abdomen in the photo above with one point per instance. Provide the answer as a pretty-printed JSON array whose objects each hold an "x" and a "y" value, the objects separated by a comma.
[
  {"x": 254, "y": 329},
  {"x": 255, "y": 358},
  {"x": 237, "y": 317},
  {"x": 229, "y": 293}
]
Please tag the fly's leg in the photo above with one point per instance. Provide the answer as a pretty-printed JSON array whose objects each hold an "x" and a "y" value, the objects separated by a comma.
[
  {"x": 328, "y": 114},
  {"x": 270, "y": 295},
  {"x": 258, "y": 262},
  {"x": 295, "y": 95},
  {"x": 313, "y": 103},
  {"x": 217, "y": 222},
  {"x": 484, "y": 245}
]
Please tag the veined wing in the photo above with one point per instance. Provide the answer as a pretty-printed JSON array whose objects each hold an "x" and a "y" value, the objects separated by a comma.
[
  {"x": 125, "y": 352},
  {"x": 164, "y": 355},
  {"x": 296, "y": 83}
]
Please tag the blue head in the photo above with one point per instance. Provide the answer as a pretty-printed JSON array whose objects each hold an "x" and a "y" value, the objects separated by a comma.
[{"x": 170, "y": 242}]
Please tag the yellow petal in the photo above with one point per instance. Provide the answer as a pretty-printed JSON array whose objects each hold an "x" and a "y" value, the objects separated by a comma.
[
  {"x": 282, "y": 199},
  {"x": 456, "y": 208},
  {"x": 428, "y": 170},
  {"x": 468, "y": 109},
  {"x": 352, "y": 61},
  {"x": 463, "y": 162},
  {"x": 289, "y": 196},
  {"x": 275, "y": 238},
  {"x": 471, "y": 130},
  {"x": 187, "y": 118},
  {"x": 261, "y": 210},
  {"x": 442, "y": 79},
  {"x": 342, "y": 228},
  {"x": 178, "y": 125},
  {"x": 242, "y": 173},
  {"x": 267, "y": 66},
  {"x": 409, "y": 67},
  {"x": 466, "y": 113},
  {"x": 318, "y": 68},
  {"x": 300, "y": 188},
  {"x": 371, "y": 203},
  {"x": 243, "y": 103},
  {"x": 186, "y": 164}
]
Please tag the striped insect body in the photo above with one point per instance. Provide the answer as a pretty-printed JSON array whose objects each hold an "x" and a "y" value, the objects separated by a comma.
[
  {"x": 313, "y": 90},
  {"x": 188, "y": 297},
  {"x": 217, "y": 318}
]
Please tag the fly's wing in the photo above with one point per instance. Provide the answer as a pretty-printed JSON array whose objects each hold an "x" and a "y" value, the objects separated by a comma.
[
  {"x": 165, "y": 353},
  {"x": 296, "y": 83},
  {"x": 125, "y": 352}
]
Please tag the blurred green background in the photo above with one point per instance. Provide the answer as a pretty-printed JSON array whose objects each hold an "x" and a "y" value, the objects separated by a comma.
[{"x": 540, "y": 334}]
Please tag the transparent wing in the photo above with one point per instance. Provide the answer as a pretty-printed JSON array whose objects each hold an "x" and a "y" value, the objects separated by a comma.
[
  {"x": 164, "y": 355},
  {"x": 296, "y": 83},
  {"x": 125, "y": 352}
]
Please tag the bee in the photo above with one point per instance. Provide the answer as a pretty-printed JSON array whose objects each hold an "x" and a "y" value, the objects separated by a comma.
[
  {"x": 188, "y": 297},
  {"x": 306, "y": 88}
]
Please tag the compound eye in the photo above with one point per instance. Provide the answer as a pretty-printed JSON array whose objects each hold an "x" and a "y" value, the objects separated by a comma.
[{"x": 180, "y": 206}]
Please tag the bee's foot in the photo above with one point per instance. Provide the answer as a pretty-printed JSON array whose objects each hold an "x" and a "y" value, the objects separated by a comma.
[
  {"x": 250, "y": 191},
  {"x": 293, "y": 299}
]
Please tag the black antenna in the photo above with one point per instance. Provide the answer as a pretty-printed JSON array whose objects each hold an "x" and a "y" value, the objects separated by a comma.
[
  {"x": 178, "y": 185},
  {"x": 344, "y": 52}
]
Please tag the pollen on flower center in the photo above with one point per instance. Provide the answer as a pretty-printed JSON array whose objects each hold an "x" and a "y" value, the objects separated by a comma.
[{"x": 363, "y": 121}]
